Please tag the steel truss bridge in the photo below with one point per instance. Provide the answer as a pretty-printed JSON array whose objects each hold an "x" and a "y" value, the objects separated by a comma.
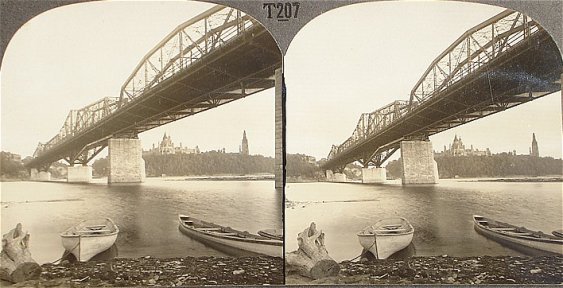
[
  {"x": 217, "y": 57},
  {"x": 501, "y": 63}
]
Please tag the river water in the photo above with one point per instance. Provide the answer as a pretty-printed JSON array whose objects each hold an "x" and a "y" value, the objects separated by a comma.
[
  {"x": 441, "y": 214},
  {"x": 146, "y": 213}
]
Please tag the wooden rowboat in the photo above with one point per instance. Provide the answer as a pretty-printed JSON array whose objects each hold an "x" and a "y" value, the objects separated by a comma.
[
  {"x": 386, "y": 237},
  {"x": 519, "y": 238},
  {"x": 89, "y": 238},
  {"x": 275, "y": 234},
  {"x": 229, "y": 240}
]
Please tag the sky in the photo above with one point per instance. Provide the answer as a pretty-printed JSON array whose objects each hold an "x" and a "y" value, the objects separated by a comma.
[
  {"x": 358, "y": 58},
  {"x": 72, "y": 56}
]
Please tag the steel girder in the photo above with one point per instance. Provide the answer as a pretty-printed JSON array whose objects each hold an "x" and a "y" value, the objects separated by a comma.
[
  {"x": 370, "y": 124},
  {"x": 77, "y": 121},
  {"x": 190, "y": 42},
  {"x": 474, "y": 49}
]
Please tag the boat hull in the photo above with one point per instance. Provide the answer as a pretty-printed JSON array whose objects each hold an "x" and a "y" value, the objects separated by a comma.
[
  {"x": 84, "y": 248},
  {"x": 386, "y": 245},
  {"x": 522, "y": 244},
  {"x": 386, "y": 237},
  {"x": 233, "y": 246},
  {"x": 89, "y": 238}
]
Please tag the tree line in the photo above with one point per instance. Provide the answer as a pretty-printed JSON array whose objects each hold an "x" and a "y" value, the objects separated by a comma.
[
  {"x": 499, "y": 165},
  {"x": 10, "y": 168},
  {"x": 207, "y": 163},
  {"x": 298, "y": 168}
]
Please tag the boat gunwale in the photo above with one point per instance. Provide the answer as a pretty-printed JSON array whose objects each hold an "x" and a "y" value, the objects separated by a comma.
[
  {"x": 270, "y": 242},
  {"x": 544, "y": 239},
  {"x": 64, "y": 235},
  {"x": 407, "y": 232}
]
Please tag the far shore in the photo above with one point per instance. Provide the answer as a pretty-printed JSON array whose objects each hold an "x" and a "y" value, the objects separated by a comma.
[
  {"x": 252, "y": 177},
  {"x": 517, "y": 179}
]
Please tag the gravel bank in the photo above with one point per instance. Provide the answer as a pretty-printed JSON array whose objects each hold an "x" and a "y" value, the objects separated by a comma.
[
  {"x": 162, "y": 272},
  {"x": 447, "y": 270}
]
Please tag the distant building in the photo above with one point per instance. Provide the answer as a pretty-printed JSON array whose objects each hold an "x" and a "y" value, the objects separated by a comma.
[
  {"x": 457, "y": 148},
  {"x": 534, "y": 150},
  {"x": 166, "y": 147},
  {"x": 243, "y": 149}
]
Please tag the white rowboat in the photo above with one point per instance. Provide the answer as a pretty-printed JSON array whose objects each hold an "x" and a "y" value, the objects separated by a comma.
[
  {"x": 386, "y": 237},
  {"x": 229, "y": 240},
  {"x": 519, "y": 238},
  {"x": 89, "y": 238}
]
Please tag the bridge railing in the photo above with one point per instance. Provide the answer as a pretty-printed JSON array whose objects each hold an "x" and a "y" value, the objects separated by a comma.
[
  {"x": 78, "y": 120},
  {"x": 474, "y": 49},
  {"x": 372, "y": 123},
  {"x": 186, "y": 45}
]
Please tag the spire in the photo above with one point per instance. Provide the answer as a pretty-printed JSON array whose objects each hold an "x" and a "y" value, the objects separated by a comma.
[
  {"x": 534, "y": 150},
  {"x": 244, "y": 147}
]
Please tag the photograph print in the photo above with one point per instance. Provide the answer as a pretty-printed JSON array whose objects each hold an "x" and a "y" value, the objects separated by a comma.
[
  {"x": 423, "y": 147},
  {"x": 138, "y": 148}
]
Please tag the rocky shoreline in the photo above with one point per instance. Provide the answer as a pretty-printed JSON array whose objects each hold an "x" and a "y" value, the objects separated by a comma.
[
  {"x": 446, "y": 270},
  {"x": 170, "y": 272},
  {"x": 189, "y": 271}
]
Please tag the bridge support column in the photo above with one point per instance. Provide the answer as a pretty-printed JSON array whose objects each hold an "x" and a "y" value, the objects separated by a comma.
[
  {"x": 126, "y": 164},
  {"x": 79, "y": 174},
  {"x": 418, "y": 162},
  {"x": 340, "y": 177},
  {"x": 329, "y": 175},
  {"x": 280, "y": 134},
  {"x": 36, "y": 175},
  {"x": 374, "y": 175}
]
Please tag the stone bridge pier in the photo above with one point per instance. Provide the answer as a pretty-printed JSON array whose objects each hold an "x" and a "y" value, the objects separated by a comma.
[
  {"x": 419, "y": 166},
  {"x": 39, "y": 174},
  {"x": 79, "y": 174},
  {"x": 126, "y": 164},
  {"x": 374, "y": 175},
  {"x": 332, "y": 176}
]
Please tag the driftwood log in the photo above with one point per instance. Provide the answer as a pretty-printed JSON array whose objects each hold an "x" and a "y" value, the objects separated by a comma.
[
  {"x": 16, "y": 264},
  {"x": 311, "y": 259}
]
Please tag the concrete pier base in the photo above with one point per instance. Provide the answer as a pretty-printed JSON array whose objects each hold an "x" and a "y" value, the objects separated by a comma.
[
  {"x": 374, "y": 175},
  {"x": 340, "y": 177},
  {"x": 329, "y": 175},
  {"x": 418, "y": 163},
  {"x": 79, "y": 174},
  {"x": 36, "y": 175},
  {"x": 126, "y": 164}
]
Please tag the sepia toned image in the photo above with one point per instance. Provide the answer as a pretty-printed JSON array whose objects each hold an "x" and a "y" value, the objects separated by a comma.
[
  {"x": 156, "y": 158},
  {"x": 423, "y": 147}
]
